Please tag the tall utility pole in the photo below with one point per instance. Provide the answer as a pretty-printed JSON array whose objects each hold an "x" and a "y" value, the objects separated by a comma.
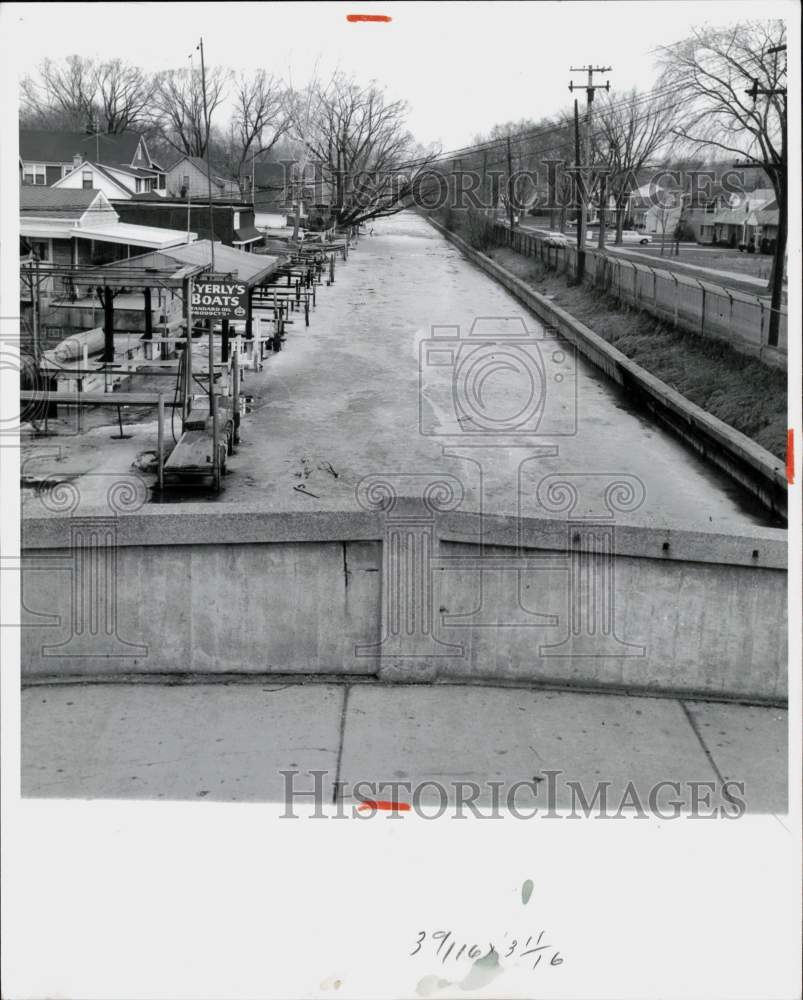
[
  {"x": 485, "y": 193},
  {"x": 509, "y": 185},
  {"x": 578, "y": 200},
  {"x": 590, "y": 87},
  {"x": 776, "y": 283},
  {"x": 208, "y": 167}
]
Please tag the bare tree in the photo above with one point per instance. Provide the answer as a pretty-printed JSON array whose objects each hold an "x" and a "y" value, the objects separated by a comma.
[
  {"x": 735, "y": 82},
  {"x": 362, "y": 147},
  {"x": 110, "y": 96},
  {"x": 178, "y": 106},
  {"x": 62, "y": 91},
  {"x": 123, "y": 96},
  {"x": 260, "y": 118},
  {"x": 629, "y": 131}
]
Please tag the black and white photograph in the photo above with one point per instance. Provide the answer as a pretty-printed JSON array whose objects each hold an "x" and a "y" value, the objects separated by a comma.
[{"x": 401, "y": 426}]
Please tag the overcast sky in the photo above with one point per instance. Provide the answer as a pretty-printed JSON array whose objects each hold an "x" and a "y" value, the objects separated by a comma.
[{"x": 462, "y": 67}]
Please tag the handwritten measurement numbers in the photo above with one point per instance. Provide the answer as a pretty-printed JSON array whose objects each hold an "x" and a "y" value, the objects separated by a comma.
[{"x": 447, "y": 948}]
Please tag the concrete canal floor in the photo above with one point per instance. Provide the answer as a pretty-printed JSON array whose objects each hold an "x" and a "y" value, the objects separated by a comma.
[{"x": 359, "y": 392}]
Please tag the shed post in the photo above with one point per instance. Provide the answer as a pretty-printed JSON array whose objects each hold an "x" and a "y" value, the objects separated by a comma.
[
  {"x": 161, "y": 441},
  {"x": 148, "y": 314},
  {"x": 216, "y": 469},
  {"x": 185, "y": 396},
  {"x": 210, "y": 329},
  {"x": 224, "y": 345},
  {"x": 108, "y": 325},
  {"x": 249, "y": 317}
]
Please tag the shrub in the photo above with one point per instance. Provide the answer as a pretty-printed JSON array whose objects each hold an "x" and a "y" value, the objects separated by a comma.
[{"x": 479, "y": 230}]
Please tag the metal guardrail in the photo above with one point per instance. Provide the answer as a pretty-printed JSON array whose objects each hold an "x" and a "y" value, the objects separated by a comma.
[{"x": 695, "y": 304}]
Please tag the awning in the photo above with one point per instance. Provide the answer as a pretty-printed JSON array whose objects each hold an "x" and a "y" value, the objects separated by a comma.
[
  {"x": 126, "y": 233},
  {"x": 248, "y": 234},
  {"x": 251, "y": 268}
]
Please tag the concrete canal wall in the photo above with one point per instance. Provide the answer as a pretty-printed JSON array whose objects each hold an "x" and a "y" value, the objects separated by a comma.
[
  {"x": 410, "y": 594},
  {"x": 741, "y": 458}
]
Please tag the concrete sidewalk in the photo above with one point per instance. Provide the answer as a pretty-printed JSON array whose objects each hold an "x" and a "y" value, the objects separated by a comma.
[{"x": 228, "y": 742}]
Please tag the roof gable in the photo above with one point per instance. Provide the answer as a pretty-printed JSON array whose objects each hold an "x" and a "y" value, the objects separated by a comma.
[{"x": 106, "y": 172}]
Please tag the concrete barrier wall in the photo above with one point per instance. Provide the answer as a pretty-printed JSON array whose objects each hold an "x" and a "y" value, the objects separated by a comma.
[
  {"x": 284, "y": 607},
  {"x": 674, "y": 625},
  {"x": 540, "y": 601}
]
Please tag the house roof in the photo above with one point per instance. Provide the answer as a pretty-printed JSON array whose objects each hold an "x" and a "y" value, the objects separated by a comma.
[
  {"x": 66, "y": 203},
  {"x": 133, "y": 171},
  {"x": 60, "y": 146},
  {"x": 752, "y": 203},
  {"x": 767, "y": 215},
  {"x": 760, "y": 194},
  {"x": 248, "y": 234}
]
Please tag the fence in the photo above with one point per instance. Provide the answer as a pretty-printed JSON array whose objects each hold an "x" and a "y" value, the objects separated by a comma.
[{"x": 690, "y": 303}]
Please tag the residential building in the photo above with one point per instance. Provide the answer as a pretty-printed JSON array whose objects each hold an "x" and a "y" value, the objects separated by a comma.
[
  {"x": 737, "y": 224},
  {"x": 48, "y": 155},
  {"x": 190, "y": 176}
]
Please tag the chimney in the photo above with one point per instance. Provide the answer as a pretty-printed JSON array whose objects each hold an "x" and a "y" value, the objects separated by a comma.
[{"x": 77, "y": 160}]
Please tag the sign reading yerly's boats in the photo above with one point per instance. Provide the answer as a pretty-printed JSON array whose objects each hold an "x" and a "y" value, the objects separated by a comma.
[{"x": 219, "y": 296}]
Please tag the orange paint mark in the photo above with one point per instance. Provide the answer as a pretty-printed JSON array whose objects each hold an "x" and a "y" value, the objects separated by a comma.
[
  {"x": 790, "y": 456},
  {"x": 383, "y": 804},
  {"x": 355, "y": 18}
]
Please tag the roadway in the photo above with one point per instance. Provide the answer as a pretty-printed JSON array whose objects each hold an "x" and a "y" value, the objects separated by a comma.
[{"x": 724, "y": 279}]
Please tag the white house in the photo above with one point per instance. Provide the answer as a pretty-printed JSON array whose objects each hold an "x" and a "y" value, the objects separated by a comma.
[{"x": 114, "y": 180}]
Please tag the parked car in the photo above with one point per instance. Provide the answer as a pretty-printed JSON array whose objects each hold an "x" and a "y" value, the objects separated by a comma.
[
  {"x": 633, "y": 236},
  {"x": 556, "y": 239}
]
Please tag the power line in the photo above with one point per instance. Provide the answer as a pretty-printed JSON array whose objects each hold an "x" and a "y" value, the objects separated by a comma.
[{"x": 536, "y": 131}]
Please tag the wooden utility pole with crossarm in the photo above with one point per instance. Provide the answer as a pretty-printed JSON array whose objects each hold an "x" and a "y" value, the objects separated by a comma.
[{"x": 583, "y": 176}]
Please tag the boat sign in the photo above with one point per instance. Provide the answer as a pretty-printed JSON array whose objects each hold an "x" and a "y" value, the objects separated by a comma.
[{"x": 219, "y": 296}]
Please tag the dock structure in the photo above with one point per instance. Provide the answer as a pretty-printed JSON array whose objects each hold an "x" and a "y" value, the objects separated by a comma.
[{"x": 93, "y": 367}]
